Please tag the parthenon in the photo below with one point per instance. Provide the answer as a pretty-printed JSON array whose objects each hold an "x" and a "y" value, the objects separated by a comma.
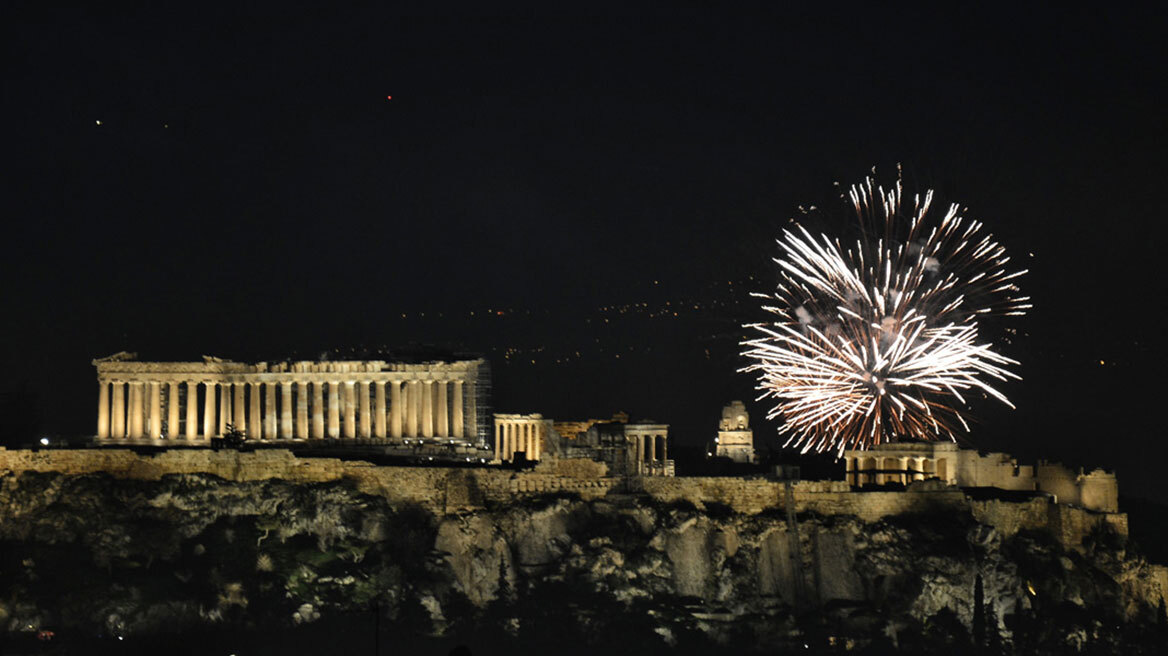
[{"x": 304, "y": 400}]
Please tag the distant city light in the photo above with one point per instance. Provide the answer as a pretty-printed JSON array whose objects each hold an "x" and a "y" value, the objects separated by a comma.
[{"x": 45, "y": 441}]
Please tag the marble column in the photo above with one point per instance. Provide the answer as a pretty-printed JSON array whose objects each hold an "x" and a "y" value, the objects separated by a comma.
[
  {"x": 136, "y": 404},
  {"x": 458, "y": 427},
  {"x": 238, "y": 403},
  {"x": 664, "y": 449},
  {"x": 154, "y": 410},
  {"x": 411, "y": 394},
  {"x": 379, "y": 409},
  {"x": 103, "y": 409},
  {"x": 192, "y": 409},
  {"x": 131, "y": 404},
  {"x": 119, "y": 409},
  {"x": 350, "y": 406},
  {"x": 302, "y": 410},
  {"x": 224, "y": 406},
  {"x": 255, "y": 423},
  {"x": 318, "y": 410},
  {"x": 443, "y": 429},
  {"x": 286, "y": 409},
  {"x": 640, "y": 453},
  {"x": 172, "y": 420},
  {"x": 208, "y": 409},
  {"x": 395, "y": 409},
  {"x": 472, "y": 409},
  {"x": 364, "y": 414},
  {"x": 270, "y": 411},
  {"x": 334, "y": 410},
  {"x": 536, "y": 438},
  {"x": 428, "y": 408},
  {"x": 652, "y": 449}
]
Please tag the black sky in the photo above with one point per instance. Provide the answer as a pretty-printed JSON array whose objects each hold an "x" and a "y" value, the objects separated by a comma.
[{"x": 250, "y": 192}]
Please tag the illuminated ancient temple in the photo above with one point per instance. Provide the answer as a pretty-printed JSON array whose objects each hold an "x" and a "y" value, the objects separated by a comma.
[{"x": 302, "y": 400}]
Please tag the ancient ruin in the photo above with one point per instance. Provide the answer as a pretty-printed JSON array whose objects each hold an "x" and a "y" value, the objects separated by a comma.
[
  {"x": 302, "y": 400},
  {"x": 906, "y": 462},
  {"x": 735, "y": 439}
]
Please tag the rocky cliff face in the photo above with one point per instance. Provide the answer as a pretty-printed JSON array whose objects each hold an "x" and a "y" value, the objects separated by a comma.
[{"x": 93, "y": 555}]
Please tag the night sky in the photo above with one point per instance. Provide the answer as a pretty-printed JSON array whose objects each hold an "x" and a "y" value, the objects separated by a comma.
[{"x": 586, "y": 198}]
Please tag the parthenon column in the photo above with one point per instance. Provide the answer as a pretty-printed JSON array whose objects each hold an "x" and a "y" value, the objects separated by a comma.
[
  {"x": 459, "y": 428},
  {"x": 443, "y": 390},
  {"x": 103, "y": 409},
  {"x": 379, "y": 409},
  {"x": 640, "y": 453},
  {"x": 238, "y": 391},
  {"x": 255, "y": 424},
  {"x": 192, "y": 409},
  {"x": 428, "y": 408},
  {"x": 208, "y": 409},
  {"x": 652, "y": 448},
  {"x": 350, "y": 405},
  {"x": 286, "y": 409},
  {"x": 302, "y": 410},
  {"x": 119, "y": 410},
  {"x": 136, "y": 393},
  {"x": 364, "y": 420},
  {"x": 664, "y": 448},
  {"x": 395, "y": 409},
  {"x": 536, "y": 436},
  {"x": 130, "y": 405},
  {"x": 411, "y": 394},
  {"x": 472, "y": 409},
  {"x": 318, "y": 410},
  {"x": 154, "y": 410},
  {"x": 172, "y": 410},
  {"x": 269, "y": 411},
  {"x": 334, "y": 409},
  {"x": 224, "y": 406}
]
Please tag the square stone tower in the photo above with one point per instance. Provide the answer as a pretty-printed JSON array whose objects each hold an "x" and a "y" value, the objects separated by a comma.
[{"x": 735, "y": 439}]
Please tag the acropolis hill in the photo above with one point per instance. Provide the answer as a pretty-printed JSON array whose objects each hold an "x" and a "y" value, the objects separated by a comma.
[{"x": 489, "y": 507}]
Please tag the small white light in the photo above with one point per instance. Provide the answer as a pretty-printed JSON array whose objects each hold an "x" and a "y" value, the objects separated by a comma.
[
  {"x": 99, "y": 123},
  {"x": 45, "y": 441}
]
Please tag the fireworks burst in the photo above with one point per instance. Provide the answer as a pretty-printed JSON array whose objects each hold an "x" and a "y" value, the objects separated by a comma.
[{"x": 878, "y": 340}]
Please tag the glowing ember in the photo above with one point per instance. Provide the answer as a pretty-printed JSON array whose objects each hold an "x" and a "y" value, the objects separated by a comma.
[{"x": 878, "y": 340}]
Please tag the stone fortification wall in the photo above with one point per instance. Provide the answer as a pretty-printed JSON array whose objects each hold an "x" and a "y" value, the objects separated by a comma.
[
  {"x": 440, "y": 489},
  {"x": 445, "y": 490},
  {"x": 994, "y": 470},
  {"x": 824, "y": 497}
]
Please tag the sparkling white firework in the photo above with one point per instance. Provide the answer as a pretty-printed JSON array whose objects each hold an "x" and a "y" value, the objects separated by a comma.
[{"x": 878, "y": 340}]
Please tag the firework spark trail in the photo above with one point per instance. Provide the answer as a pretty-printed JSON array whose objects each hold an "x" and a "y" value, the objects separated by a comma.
[{"x": 879, "y": 340}]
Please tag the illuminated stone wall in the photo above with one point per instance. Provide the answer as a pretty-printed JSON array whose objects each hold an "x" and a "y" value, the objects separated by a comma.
[
  {"x": 905, "y": 463},
  {"x": 445, "y": 490}
]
